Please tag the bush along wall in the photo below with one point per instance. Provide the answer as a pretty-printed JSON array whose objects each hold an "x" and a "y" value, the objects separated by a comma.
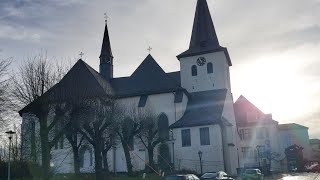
[
  {"x": 20, "y": 169},
  {"x": 164, "y": 158}
]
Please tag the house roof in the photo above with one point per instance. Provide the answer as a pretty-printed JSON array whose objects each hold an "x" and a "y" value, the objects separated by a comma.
[
  {"x": 243, "y": 102},
  {"x": 291, "y": 126},
  {"x": 148, "y": 78},
  {"x": 80, "y": 82},
  {"x": 203, "y": 108}
]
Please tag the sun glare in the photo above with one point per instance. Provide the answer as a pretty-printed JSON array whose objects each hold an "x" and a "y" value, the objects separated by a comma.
[{"x": 275, "y": 85}]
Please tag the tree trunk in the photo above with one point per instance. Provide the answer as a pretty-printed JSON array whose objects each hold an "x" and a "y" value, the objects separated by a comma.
[
  {"x": 76, "y": 161},
  {"x": 105, "y": 162},
  {"x": 45, "y": 153},
  {"x": 151, "y": 162},
  {"x": 128, "y": 158},
  {"x": 98, "y": 161}
]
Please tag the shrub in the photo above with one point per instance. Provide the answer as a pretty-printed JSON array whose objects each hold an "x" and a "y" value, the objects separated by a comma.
[
  {"x": 164, "y": 159},
  {"x": 20, "y": 169}
]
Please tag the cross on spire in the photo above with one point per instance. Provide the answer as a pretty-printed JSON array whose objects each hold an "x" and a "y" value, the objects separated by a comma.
[
  {"x": 81, "y": 54},
  {"x": 149, "y": 49},
  {"x": 106, "y": 17}
]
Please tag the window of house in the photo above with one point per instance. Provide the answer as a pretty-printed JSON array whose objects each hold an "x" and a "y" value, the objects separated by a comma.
[
  {"x": 262, "y": 133},
  {"x": 194, "y": 71},
  {"x": 185, "y": 137},
  {"x": 204, "y": 136},
  {"x": 245, "y": 134},
  {"x": 248, "y": 152},
  {"x": 209, "y": 68}
]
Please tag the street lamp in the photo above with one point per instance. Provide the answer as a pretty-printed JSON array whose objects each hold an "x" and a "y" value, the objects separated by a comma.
[
  {"x": 200, "y": 157},
  {"x": 10, "y": 134}
]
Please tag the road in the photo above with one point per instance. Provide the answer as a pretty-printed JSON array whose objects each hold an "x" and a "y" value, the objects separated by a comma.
[
  {"x": 295, "y": 176},
  {"x": 302, "y": 176}
]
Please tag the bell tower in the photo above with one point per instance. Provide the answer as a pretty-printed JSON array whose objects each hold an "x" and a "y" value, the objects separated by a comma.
[{"x": 205, "y": 65}]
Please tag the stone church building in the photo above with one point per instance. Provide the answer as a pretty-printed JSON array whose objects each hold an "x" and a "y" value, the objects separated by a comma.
[{"x": 196, "y": 103}]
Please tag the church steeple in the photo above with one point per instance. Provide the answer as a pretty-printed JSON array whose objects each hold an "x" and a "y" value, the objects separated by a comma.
[
  {"x": 204, "y": 38},
  {"x": 106, "y": 57},
  {"x": 203, "y": 32}
]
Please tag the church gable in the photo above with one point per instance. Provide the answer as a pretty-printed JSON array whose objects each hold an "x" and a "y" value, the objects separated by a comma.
[
  {"x": 148, "y": 78},
  {"x": 80, "y": 82}
]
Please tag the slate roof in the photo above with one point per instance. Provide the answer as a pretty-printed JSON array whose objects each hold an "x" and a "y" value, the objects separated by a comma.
[
  {"x": 80, "y": 82},
  {"x": 106, "y": 52},
  {"x": 175, "y": 76},
  {"x": 204, "y": 38},
  {"x": 148, "y": 78},
  {"x": 203, "y": 108},
  {"x": 291, "y": 126}
]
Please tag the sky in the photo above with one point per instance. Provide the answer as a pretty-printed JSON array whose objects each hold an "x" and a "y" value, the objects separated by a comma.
[{"x": 274, "y": 45}]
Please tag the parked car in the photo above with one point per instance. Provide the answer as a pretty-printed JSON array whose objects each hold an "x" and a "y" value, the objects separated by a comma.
[
  {"x": 215, "y": 175},
  {"x": 252, "y": 174},
  {"x": 181, "y": 177},
  {"x": 313, "y": 168}
]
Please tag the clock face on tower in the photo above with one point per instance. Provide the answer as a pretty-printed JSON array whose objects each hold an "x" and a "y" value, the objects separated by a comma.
[{"x": 201, "y": 61}]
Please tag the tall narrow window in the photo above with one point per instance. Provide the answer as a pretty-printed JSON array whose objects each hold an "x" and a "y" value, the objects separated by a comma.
[
  {"x": 209, "y": 68},
  {"x": 85, "y": 153},
  {"x": 163, "y": 127},
  {"x": 61, "y": 142},
  {"x": 204, "y": 136},
  {"x": 194, "y": 71},
  {"x": 186, "y": 138}
]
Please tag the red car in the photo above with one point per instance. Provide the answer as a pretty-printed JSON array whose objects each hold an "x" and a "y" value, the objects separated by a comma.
[{"x": 313, "y": 168}]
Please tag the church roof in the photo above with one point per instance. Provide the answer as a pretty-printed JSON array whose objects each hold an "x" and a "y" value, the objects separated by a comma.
[
  {"x": 148, "y": 78},
  {"x": 203, "y": 108},
  {"x": 80, "y": 82},
  {"x": 204, "y": 38}
]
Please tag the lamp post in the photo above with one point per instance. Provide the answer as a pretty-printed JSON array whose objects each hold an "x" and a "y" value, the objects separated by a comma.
[
  {"x": 10, "y": 134},
  {"x": 200, "y": 157}
]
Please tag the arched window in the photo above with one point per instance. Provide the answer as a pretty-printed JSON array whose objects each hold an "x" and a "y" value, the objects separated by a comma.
[
  {"x": 209, "y": 68},
  {"x": 86, "y": 158},
  {"x": 163, "y": 126},
  {"x": 194, "y": 71}
]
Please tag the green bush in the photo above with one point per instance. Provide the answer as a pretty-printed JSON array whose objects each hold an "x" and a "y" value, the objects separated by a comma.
[
  {"x": 20, "y": 169},
  {"x": 164, "y": 159}
]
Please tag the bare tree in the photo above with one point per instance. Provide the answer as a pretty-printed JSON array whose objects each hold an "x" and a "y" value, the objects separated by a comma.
[
  {"x": 5, "y": 101},
  {"x": 35, "y": 76},
  {"x": 73, "y": 135},
  {"x": 149, "y": 134},
  {"x": 127, "y": 128},
  {"x": 96, "y": 125}
]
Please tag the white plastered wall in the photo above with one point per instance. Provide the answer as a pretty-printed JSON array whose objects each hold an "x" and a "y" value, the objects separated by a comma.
[{"x": 219, "y": 79}]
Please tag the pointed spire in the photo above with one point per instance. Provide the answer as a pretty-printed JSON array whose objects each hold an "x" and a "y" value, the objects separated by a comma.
[
  {"x": 106, "y": 57},
  {"x": 106, "y": 53},
  {"x": 204, "y": 38},
  {"x": 203, "y": 32}
]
